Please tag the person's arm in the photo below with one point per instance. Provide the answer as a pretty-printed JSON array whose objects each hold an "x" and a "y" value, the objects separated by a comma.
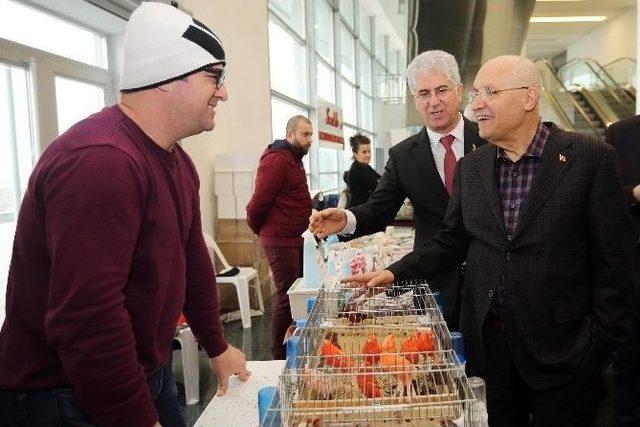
[
  {"x": 631, "y": 189},
  {"x": 382, "y": 207},
  {"x": 612, "y": 245},
  {"x": 93, "y": 205},
  {"x": 202, "y": 308},
  {"x": 445, "y": 250},
  {"x": 271, "y": 175}
]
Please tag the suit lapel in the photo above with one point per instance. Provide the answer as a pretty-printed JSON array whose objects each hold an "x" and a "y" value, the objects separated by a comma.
[
  {"x": 425, "y": 158},
  {"x": 470, "y": 136},
  {"x": 487, "y": 172},
  {"x": 557, "y": 158}
]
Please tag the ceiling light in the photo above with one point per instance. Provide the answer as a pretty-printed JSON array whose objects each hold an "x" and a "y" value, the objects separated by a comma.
[
  {"x": 559, "y": 0},
  {"x": 567, "y": 18}
]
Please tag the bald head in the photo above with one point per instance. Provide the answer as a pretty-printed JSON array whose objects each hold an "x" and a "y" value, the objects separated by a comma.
[{"x": 515, "y": 71}]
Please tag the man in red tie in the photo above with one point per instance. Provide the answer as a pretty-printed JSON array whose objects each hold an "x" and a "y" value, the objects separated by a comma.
[{"x": 419, "y": 168}]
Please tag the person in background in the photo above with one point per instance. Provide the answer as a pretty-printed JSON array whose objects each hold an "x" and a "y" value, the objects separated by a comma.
[
  {"x": 624, "y": 136},
  {"x": 421, "y": 168},
  {"x": 109, "y": 250},
  {"x": 362, "y": 179},
  {"x": 549, "y": 244},
  {"x": 279, "y": 212}
]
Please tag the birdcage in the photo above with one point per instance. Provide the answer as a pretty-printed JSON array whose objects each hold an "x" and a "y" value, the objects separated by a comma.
[{"x": 419, "y": 389}]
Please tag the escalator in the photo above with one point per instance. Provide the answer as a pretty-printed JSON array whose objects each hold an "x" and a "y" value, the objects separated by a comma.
[{"x": 587, "y": 97}]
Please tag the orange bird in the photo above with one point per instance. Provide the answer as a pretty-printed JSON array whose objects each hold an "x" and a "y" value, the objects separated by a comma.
[
  {"x": 410, "y": 349},
  {"x": 334, "y": 356},
  {"x": 425, "y": 339},
  {"x": 371, "y": 350},
  {"x": 389, "y": 344},
  {"x": 367, "y": 381}
]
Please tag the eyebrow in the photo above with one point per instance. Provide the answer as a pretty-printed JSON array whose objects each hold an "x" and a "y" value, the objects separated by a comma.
[{"x": 439, "y": 87}]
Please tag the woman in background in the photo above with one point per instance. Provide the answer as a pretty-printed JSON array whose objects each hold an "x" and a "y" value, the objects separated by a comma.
[{"x": 362, "y": 179}]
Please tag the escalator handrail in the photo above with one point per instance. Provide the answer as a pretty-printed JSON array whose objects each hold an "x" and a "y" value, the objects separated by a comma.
[
  {"x": 589, "y": 63},
  {"x": 575, "y": 103},
  {"x": 624, "y": 58}
]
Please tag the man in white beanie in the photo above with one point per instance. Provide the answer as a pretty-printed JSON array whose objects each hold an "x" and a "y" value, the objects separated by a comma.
[{"x": 109, "y": 249}]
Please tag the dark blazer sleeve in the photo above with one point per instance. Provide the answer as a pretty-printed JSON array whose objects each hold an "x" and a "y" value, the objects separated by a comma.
[
  {"x": 611, "y": 243},
  {"x": 383, "y": 205},
  {"x": 444, "y": 251},
  {"x": 617, "y": 135}
]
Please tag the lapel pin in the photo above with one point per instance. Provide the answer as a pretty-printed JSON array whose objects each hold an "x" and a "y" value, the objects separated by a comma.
[
  {"x": 473, "y": 147},
  {"x": 562, "y": 158}
]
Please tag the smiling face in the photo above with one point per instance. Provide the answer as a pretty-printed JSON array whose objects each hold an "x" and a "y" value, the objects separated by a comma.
[
  {"x": 363, "y": 155},
  {"x": 440, "y": 112},
  {"x": 197, "y": 99},
  {"x": 502, "y": 116}
]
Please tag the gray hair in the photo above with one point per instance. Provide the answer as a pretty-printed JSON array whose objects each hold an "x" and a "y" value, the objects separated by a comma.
[{"x": 433, "y": 61}]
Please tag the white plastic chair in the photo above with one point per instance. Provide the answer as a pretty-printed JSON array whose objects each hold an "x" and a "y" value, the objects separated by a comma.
[
  {"x": 241, "y": 281},
  {"x": 190, "y": 364}
]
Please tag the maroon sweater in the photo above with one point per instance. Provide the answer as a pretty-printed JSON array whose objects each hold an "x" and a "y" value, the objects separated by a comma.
[
  {"x": 108, "y": 252},
  {"x": 280, "y": 207}
]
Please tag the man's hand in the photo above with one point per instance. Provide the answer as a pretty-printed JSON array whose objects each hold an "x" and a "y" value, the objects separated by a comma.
[
  {"x": 380, "y": 278},
  {"x": 328, "y": 221},
  {"x": 636, "y": 193},
  {"x": 231, "y": 362}
]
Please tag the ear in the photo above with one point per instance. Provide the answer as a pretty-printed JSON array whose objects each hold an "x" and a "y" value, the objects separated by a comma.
[
  {"x": 531, "y": 99},
  {"x": 460, "y": 90}
]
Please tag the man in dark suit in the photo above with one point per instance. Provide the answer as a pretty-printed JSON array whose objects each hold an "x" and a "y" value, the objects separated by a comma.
[
  {"x": 541, "y": 218},
  {"x": 421, "y": 167},
  {"x": 624, "y": 136}
]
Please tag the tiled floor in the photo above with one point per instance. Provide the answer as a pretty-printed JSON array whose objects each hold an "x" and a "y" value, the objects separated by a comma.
[{"x": 255, "y": 343}]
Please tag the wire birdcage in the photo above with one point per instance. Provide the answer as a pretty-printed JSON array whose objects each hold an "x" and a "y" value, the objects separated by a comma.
[
  {"x": 374, "y": 358},
  {"x": 357, "y": 390}
]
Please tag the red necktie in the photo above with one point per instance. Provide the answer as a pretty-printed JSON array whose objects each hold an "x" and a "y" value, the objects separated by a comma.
[{"x": 449, "y": 162}]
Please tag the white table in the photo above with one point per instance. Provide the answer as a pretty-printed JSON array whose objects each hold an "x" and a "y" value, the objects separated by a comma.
[{"x": 239, "y": 407}]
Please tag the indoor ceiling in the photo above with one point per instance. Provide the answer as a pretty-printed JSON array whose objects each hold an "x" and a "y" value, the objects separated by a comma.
[{"x": 547, "y": 40}]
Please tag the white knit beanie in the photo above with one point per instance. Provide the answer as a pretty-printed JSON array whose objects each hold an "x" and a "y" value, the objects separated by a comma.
[{"x": 163, "y": 44}]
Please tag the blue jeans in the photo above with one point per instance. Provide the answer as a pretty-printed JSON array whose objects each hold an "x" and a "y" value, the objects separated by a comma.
[{"x": 60, "y": 407}]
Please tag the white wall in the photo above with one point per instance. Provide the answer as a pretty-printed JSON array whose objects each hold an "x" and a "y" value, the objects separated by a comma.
[
  {"x": 243, "y": 123},
  {"x": 615, "y": 38}
]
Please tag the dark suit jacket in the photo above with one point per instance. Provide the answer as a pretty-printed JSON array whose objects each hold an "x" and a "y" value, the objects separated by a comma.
[
  {"x": 411, "y": 173},
  {"x": 566, "y": 271},
  {"x": 624, "y": 136}
]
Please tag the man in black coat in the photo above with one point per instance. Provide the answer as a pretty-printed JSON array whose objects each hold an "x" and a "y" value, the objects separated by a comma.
[
  {"x": 421, "y": 168},
  {"x": 542, "y": 220},
  {"x": 624, "y": 136}
]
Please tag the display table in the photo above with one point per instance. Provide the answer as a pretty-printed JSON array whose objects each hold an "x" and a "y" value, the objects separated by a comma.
[{"x": 239, "y": 407}]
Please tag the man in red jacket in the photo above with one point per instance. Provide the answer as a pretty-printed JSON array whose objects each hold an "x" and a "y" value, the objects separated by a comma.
[
  {"x": 109, "y": 248},
  {"x": 279, "y": 213}
]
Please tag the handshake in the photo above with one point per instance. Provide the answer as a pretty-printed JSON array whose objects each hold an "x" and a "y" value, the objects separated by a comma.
[{"x": 333, "y": 220}]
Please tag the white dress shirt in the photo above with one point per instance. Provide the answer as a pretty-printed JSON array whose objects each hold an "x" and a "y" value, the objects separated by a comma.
[{"x": 438, "y": 151}]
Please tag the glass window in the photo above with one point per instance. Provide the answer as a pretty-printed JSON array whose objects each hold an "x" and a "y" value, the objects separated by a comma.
[
  {"x": 365, "y": 29},
  {"x": 347, "y": 54},
  {"x": 291, "y": 12},
  {"x": 392, "y": 63},
  {"x": 281, "y": 112},
  {"x": 288, "y": 63},
  {"x": 327, "y": 169},
  {"x": 17, "y": 157},
  {"x": 365, "y": 71},
  {"x": 380, "y": 50},
  {"x": 347, "y": 154},
  {"x": 32, "y": 27},
  {"x": 328, "y": 182},
  {"x": 366, "y": 112},
  {"x": 75, "y": 101},
  {"x": 346, "y": 10},
  {"x": 323, "y": 29},
  {"x": 348, "y": 102},
  {"x": 326, "y": 82}
]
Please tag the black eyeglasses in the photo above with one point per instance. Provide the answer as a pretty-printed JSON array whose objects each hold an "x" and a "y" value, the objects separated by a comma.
[
  {"x": 487, "y": 94},
  {"x": 217, "y": 74}
]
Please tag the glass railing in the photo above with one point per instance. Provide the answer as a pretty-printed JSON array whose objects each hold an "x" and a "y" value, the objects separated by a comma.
[
  {"x": 559, "y": 106},
  {"x": 623, "y": 71},
  {"x": 588, "y": 75}
]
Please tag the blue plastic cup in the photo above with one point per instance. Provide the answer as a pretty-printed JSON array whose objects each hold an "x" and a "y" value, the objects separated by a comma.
[
  {"x": 292, "y": 352},
  {"x": 301, "y": 323},
  {"x": 457, "y": 342},
  {"x": 265, "y": 396},
  {"x": 310, "y": 302}
]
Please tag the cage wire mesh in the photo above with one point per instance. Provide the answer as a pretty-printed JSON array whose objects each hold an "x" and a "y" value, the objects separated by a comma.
[{"x": 376, "y": 358}]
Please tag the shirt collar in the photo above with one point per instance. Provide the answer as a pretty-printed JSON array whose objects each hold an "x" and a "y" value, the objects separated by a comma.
[
  {"x": 457, "y": 132},
  {"x": 536, "y": 146}
]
